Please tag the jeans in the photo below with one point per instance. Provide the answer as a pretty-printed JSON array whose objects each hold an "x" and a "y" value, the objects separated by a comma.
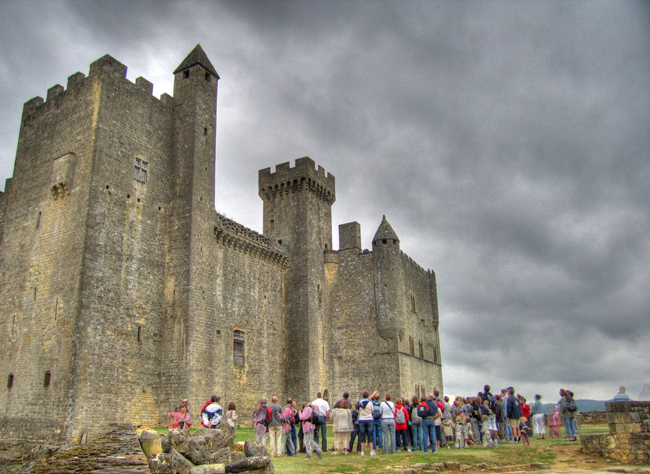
[
  {"x": 416, "y": 435},
  {"x": 570, "y": 426},
  {"x": 428, "y": 433},
  {"x": 321, "y": 425},
  {"x": 377, "y": 433},
  {"x": 291, "y": 439},
  {"x": 353, "y": 435},
  {"x": 367, "y": 432},
  {"x": 310, "y": 443},
  {"x": 403, "y": 437},
  {"x": 388, "y": 430}
]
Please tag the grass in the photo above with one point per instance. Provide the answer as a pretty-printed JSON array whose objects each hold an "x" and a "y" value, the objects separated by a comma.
[{"x": 505, "y": 454}]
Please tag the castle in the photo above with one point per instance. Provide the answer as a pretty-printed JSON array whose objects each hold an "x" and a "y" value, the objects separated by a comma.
[{"x": 124, "y": 291}]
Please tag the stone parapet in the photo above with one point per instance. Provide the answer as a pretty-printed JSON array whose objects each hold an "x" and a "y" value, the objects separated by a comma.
[{"x": 628, "y": 440}]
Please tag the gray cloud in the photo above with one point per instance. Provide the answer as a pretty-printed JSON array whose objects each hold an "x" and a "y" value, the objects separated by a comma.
[{"x": 506, "y": 142}]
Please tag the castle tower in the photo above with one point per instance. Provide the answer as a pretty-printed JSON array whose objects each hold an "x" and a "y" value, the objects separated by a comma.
[
  {"x": 191, "y": 211},
  {"x": 297, "y": 213},
  {"x": 389, "y": 282}
]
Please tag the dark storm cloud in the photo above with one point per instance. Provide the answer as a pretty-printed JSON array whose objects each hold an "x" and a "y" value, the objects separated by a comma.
[{"x": 507, "y": 143}]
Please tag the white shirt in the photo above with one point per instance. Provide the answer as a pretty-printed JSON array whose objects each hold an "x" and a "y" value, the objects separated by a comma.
[
  {"x": 387, "y": 410},
  {"x": 321, "y": 406}
]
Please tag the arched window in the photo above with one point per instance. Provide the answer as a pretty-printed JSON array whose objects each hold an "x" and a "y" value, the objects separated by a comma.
[{"x": 238, "y": 348}]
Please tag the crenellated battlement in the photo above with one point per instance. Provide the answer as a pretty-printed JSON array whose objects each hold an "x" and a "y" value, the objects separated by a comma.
[
  {"x": 412, "y": 263},
  {"x": 104, "y": 68},
  {"x": 303, "y": 176},
  {"x": 235, "y": 235}
]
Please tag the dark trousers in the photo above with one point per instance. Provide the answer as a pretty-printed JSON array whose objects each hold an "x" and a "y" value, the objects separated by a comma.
[
  {"x": 377, "y": 434},
  {"x": 402, "y": 438},
  {"x": 353, "y": 435},
  {"x": 291, "y": 435},
  {"x": 301, "y": 436},
  {"x": 321, "y": 425}
]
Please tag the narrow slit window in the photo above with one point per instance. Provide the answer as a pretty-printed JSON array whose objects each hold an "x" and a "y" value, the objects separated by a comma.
[
  {"x": 47, "y": 379},
  {"x": 10, "y": 381},
  {"x": 238, "y": 348},
  {"x": 38, "y": 220},
  {"x": 186, "y": 74}
]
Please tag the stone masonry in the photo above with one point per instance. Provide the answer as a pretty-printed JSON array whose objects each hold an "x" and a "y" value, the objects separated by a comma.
[
  {"x": 628, "y": 441},
  {"x": 123, "y": 291}
]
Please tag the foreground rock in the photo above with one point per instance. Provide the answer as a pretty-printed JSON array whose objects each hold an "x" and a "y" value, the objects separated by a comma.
[{"x": 207, "y": 451}]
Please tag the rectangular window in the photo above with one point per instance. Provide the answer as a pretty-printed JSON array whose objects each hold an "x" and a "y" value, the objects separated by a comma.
[
  {"x": 238, "y": 348},
  {"x": 141, "y": 169}
]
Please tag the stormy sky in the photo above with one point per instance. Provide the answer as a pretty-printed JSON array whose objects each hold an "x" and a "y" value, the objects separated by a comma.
[{"x": 507, "y": 143}]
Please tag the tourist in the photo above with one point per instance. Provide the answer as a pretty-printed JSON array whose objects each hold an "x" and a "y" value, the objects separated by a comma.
[
  {"x": 621, "y": 396},
  {"x": 346, "y": 396},
  {"x": 275, "y": 428},
  {"x": 513, "y": 413},
  {"x": 429, "y": 422},
  {"x": 440, "y": 439},
  {"x": 416, "y": 424},
  {"x": 355, "y": 433},
  {"x": 475, "y": 418},
  {"x": 538, "y": 418},
  {"x": 289, "y": 427},
  {"x": 342, "y": 427},
  {"x": 308, "y": 427},
  {"x": 322, "y": 409},
  {"x": 232, "y": 417},
  {"x": 387, "y": 410},
  {"x": 568, "y": 410},
  {"x": 524, "y": 429},
  {"x": 485, "y": 431},
  {"x": 376, "y": 417},
  {"x": 366, "y": 424},
  {"x": 260, "y": 416},
  {"x": 173, "y": 419},
  {"x": 554, "y": 421},
  {"x": 211, "y": 413},
  {"x": 506, "y": 424},
  {"x": 401, "y": 425},
  {"x": 499, "y": 418}
]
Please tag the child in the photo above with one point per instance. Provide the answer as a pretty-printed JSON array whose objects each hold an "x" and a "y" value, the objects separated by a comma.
[
  {"x": 231, "y": 417},
  {"x": 554, "y": 423},
  {"x": 460, "y": 431},
  {"x": 448, "y": 431},
  {"x": 525, "y": 431},
  {"x": 486, "y": 432}
]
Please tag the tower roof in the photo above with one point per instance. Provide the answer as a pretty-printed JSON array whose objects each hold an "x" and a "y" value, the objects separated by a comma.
[
  {"x": 385, "y": 231},
  {"x": 197, "y": 56}
]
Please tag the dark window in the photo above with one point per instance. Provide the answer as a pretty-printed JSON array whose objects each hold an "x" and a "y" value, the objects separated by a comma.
[
  {"x": 38, "y": 221},
  {"x": 140, "y": 171},
  {"x": 411, "y": 345},
  {"x": 207, "y": 76},
  {"x": 139, "y": 333},
  {"x": 238, "y": 348},
  {"x": 186, "y": 74},
  {"x": 10, "y": 381},
  {"x": 383, "y": 241},
  {"x": 46, "y": 379},
  {"x": 413, "y": 308},
  {"x": 421, "y": 349}
]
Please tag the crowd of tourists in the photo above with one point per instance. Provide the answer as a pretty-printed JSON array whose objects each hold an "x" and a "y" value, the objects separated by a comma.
[{"x": 419, "y": 423}]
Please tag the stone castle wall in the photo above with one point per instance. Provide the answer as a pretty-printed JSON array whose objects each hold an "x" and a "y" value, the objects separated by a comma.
[{"x": 120, "y": 296}]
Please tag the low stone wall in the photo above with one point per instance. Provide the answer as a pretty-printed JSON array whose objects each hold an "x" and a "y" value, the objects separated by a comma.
[
  {"x": 628, "y": 440},
  {"x": 592, "y": 418}
]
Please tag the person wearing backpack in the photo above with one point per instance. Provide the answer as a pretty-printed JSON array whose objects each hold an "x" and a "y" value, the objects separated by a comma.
[
  {"x": 376, "y": 416},
  {"x": 429, "y": 423},
  {"x": 401, "y": 424},
  {"x": 416, "y": 423},
  {"x": 387, "y": 410},
  {"x": 261, "y": 422},
  {"x": 366, "y": 424},
  {"x": 568, "y": 411},
  {"x": 308, "y": 419}
]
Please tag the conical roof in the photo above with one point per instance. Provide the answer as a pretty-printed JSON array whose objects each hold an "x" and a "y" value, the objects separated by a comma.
[
  {"x": 197, "y": 56},
  {"x": 385, "y": 231}
]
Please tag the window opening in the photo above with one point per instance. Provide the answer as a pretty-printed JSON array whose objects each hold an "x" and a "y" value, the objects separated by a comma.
[
  {"x": 38, "y": 221},
  {"x": 238, "y": 348},
  {"x": 47, "y": 379},
  {"x": 35, "y": 291},
  {"x": 186, "y": 74},
  {"x": 140, "y": 171},
  {"x": 421, "y": 349},
  {"x": 10, "y": 381},
  {"x": 207, "y": 76},
  {"x": 139, "y": 333},
  {"x": 56, "y": 308}
]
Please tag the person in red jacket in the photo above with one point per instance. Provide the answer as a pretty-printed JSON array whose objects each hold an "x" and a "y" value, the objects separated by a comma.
[{"x": 401, "y": 425}]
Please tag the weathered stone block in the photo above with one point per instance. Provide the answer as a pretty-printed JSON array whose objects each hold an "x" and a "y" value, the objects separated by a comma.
[
  {"x": 209, "y": 469},
  {"x": 623, "y": 417},
  {"x": 253, "y": 448},
  {"x": 150, "y": 444},
  {"x": 249, "y": 464},
  {"x": 169, "y": 463}
]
